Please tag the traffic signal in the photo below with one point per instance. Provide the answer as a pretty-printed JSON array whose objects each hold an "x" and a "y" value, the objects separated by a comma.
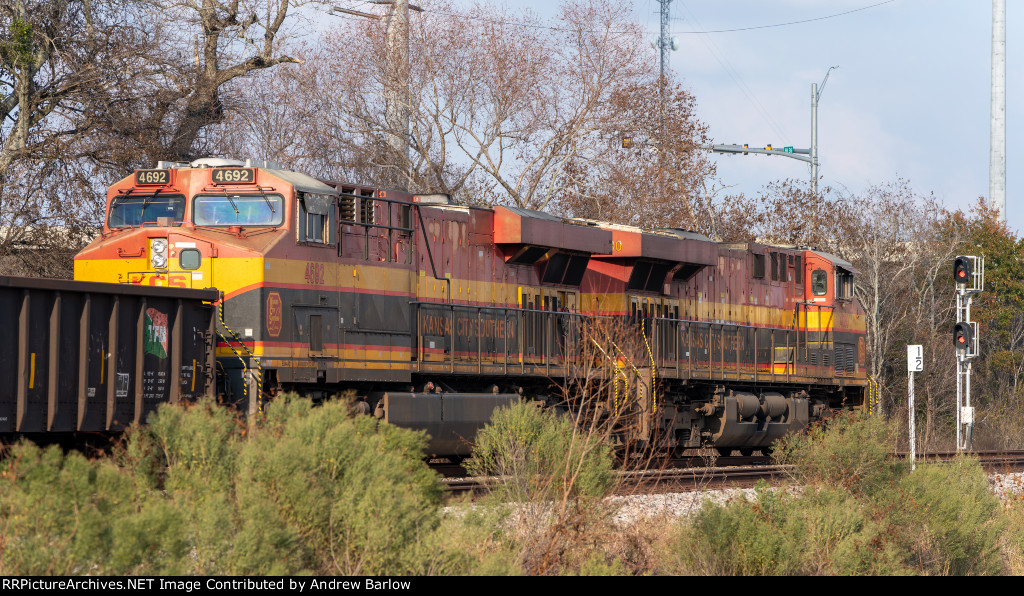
[
  {"x": 962, "y": 270},
  {"x": 963, "y": 336}
]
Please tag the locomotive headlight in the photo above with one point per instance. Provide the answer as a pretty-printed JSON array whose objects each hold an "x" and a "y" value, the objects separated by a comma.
[{"x": 158, "y": 253}]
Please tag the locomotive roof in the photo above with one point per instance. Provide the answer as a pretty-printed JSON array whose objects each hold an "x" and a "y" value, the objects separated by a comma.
[
  {"x": 302, "y": 182},
  {"x": 838, "y": 262},
  {"x": 673, "y": 232},
  {"x": 523, "y": 212}
]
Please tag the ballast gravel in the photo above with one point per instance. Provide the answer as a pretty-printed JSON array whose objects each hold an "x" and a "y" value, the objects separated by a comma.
[
  {"x": 683, "y": 504},
  {"x": 636, "y": 507}
]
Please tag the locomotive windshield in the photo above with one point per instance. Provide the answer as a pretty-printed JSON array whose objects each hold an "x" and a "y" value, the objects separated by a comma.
[
  {"x": 140, "y": 210},
  {"x": 238, "y": 210}
]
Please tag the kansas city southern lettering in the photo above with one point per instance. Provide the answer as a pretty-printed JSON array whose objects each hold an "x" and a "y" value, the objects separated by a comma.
[
  {"x": 718, "y": 341},
  {"x": 441, "y": 325}
]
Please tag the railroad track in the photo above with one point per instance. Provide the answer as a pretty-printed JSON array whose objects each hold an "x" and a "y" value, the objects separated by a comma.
[{"x": 728, "y": 472}]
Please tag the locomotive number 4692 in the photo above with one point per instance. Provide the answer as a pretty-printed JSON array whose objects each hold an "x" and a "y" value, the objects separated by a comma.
[
  {"x": 233, "y": 175},
  {"x": 315, "y": 273},
  {"x": 147, "y": 177}
]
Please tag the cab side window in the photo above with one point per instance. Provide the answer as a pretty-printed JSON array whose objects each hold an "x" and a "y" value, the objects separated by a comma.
[
  {"x": 844, "y": 285},
  {"x": 819, "y": 282},
  {"x": 317, "y": 219}
]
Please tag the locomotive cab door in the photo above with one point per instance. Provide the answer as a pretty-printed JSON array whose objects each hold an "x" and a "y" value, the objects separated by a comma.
[
  {"x": 816, "y": 317},
  {"x": 316, "y": 333},
  {"x": 531, "y": 348}
]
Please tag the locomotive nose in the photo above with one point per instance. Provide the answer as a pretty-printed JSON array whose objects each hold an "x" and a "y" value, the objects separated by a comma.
[{"x": 190, "y": 262}]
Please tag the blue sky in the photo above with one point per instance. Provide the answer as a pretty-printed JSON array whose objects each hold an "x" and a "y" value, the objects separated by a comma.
[{"x": 910, "y": 99}]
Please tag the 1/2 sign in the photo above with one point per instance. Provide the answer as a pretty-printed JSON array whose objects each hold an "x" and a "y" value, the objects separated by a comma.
[{"x": 915, "y": 358}]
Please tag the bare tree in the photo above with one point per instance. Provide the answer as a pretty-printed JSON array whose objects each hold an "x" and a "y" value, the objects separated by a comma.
[
  {"x": 207, "y": 45},
  {"x": 891, "y": 237},
  {"x": 59, "y": 59},
  {"x": 786, "y": 212},
  {"x": 655, "y": 166},
  {"x": 503, "y": 109}
]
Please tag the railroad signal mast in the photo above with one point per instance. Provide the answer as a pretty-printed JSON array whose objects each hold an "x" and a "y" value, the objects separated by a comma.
[{"x": 969, "y": 277}]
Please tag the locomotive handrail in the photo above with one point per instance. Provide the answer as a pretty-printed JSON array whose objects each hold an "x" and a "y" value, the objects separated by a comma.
[
  {"x": 245, "y": 366},
  {"x": 548, "y": 351},
  {"x": 127, "y": 255}
]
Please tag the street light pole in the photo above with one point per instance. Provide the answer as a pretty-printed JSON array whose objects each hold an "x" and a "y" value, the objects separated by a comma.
[
  {"x": 815, "y": 96},
  {"x": 814, "y": 138}
]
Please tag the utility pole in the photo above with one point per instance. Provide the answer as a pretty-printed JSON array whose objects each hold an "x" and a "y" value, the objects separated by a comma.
[
  {"x": 664, "y": 42},
  {"x": 396, "y": 96},
  {"x": 396, "y": 86},
  {"x": 997, "y": 151},
  {"x": 664, "y": 45}
]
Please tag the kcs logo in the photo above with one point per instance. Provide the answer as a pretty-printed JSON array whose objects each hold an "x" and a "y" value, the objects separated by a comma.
[{"x": 171, "y": 281}]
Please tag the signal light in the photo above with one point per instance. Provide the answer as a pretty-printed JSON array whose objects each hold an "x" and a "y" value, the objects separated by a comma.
[
  {"x": 963, "y": 336},
  {"x": 962, "y": 270}
]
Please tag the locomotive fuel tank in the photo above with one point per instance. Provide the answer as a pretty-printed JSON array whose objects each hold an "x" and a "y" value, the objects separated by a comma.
[{"x": 451, "y": 419}]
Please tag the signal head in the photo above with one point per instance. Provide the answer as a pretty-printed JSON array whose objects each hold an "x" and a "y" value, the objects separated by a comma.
[
  {"x": 963, "y": 269},
  {"x": 963, "y": 336}
]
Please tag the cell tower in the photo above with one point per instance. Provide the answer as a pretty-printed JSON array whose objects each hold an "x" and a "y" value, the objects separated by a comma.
[
  {"x": 664, "y": 42},
  {"x": 997, "y": 154}
]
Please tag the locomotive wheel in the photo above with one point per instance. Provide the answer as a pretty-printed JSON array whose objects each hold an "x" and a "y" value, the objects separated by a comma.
[{"x": 724, "y": 451}]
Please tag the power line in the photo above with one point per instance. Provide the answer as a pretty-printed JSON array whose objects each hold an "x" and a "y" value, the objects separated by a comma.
[
  {"x": 551, "y": 28},
  {"x": 723, "y": 61},
  {"x": 831, "y": 16}
]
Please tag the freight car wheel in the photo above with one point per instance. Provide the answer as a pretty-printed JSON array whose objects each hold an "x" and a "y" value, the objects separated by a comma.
[
  {"x": 724, "y": 451},
  {"x": 746, "y": 452}
]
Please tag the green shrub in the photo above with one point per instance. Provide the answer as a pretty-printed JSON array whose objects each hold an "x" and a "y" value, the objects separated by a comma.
[
  {"x": 851, "y": 450},
  {"x": 312, "y": 490},
  {"x": 64, "y": 515},
  {"x": 1012, "y": 540},
  {"x": 856, "y": 513},
  {"x": 547, "y": 502},
  {"x": 952, "y": 517},
  {"x": 356, "y": 496},
  {"x": 542, "y": 455}
]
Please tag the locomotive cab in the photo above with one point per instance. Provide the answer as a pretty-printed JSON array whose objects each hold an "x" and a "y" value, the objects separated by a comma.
[{"x": 227, "y": 225}]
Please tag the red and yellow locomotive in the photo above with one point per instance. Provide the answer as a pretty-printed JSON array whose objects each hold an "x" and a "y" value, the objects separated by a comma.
[{"x": 435, "y": 313}]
